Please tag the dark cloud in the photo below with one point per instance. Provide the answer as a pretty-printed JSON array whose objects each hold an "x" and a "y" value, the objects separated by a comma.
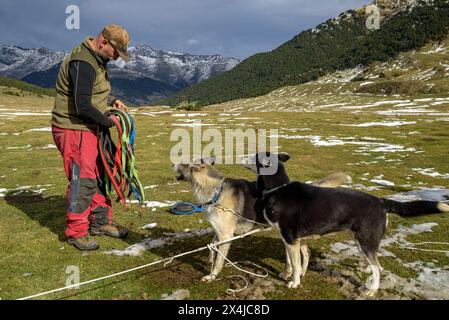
[{"x": 237, "y": 28}]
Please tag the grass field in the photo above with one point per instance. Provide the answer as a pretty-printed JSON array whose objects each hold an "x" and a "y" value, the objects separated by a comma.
[{"x": 378, "y": 140}]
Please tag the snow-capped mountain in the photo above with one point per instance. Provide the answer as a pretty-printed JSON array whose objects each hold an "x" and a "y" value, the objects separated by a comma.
[
  {"x": 156, "y": 73},
  {"x": 17, "y": 62},
  {"x": 176, "y": 69}
]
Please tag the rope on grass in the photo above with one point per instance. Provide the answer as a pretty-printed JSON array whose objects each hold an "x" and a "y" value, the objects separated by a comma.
[
  {"x": 234, "y": 291},
  {"x": 166, "y": 261},
  {"x": 413, "y": 246},
  {"x": 234, "y": 264}
]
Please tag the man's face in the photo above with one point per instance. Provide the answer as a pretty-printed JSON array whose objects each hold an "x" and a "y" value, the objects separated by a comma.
[{"x": 108, "y": 50}]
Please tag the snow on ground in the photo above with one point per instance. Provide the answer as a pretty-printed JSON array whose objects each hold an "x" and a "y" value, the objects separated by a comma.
[
  {"x": 431, "y": 282},
  {"x": 154, "y": 204},
  {"x": 366, "y": 83},
  {"x": 138, "y": 249},
  {"x": 385, "y": 124},
  {"x": 34, "y": 190},
  {"x": 25, "y": 114},
  {"x": 333, "y": 105},
  {"x": 430, "y": 194},
  {"x": 383, "y": 182},
  {"x": 46, "y": 129},
  {"x": 28, "y": 147},
  {"x": 48, "y": 146},
  {"x": 365, "y": 146},
  {"x": 189, "y": 114},
  {"x": 376, "y": 104},
  {"x": 195, "y": 124},
  {"x": 342, "y": 76},
  {"x": 149, "y": 226},
  {"x": 408, "y": 111},
  {"x": 359, "y": 186},
  {"x": 153, "y": 114},
  {"x": 150, "y": 186},
  {"x": 431, "y": 172}
]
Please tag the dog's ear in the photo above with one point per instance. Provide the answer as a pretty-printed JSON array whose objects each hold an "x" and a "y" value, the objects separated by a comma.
[
  {"x": 283, "y": 156},
  {"x": 265, "y": 160},
  {"x": 209, "y": 160}
]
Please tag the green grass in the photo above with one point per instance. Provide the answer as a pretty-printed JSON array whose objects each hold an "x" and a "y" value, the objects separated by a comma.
[
  {"x": 23, "y": 88},
  {"x": 32, "y": 226}
]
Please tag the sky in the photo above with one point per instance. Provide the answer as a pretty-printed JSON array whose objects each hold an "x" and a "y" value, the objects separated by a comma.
[{"x": 232, "y": 28}]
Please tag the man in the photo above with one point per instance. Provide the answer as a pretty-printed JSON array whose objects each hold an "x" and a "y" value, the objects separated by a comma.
[{"x": 82, "y": 93}]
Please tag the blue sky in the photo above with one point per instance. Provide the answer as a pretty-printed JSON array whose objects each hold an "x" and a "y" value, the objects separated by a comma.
[{"x": 237, "y": 28}]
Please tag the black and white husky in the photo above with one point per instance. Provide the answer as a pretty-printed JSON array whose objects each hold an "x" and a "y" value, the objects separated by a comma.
[
  {"x": 239, "y": 195},
  {"x": 299, "y": 211}
]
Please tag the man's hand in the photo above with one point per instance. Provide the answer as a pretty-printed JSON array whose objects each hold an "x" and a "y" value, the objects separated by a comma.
[{"x": 120, "y": 105}]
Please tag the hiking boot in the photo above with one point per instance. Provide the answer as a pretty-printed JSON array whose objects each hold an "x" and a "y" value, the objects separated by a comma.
[
  {"x": 111, "y": 230},
  {"x": 83, "y": 243}
]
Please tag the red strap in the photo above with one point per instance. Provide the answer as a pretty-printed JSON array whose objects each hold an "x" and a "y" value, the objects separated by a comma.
[
  {"x": 112, "y": 177},
  {"x": 117, "y": 164}
]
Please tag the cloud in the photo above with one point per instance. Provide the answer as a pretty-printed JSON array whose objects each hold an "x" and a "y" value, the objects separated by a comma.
[
  {"x": 192, "y": 42},
  {"x": 236, "y": 28}
]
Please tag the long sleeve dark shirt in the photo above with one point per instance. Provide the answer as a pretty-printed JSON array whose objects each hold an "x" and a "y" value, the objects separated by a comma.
[{"x": 82, "y": 76}]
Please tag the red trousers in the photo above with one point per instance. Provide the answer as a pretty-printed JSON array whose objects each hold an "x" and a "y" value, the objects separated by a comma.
[{"x": 87, "y": 203}]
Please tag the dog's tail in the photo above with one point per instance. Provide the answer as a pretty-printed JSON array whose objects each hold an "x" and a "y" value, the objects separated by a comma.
[
  {"x": 334, "y": 180},
  {"x": 414, "y": 208}
]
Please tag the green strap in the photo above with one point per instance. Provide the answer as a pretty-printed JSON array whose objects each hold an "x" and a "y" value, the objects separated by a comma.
[{"x": 129, "y": 168}]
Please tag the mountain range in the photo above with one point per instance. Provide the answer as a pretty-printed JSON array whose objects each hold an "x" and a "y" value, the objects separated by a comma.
[{"x": 150, "y": 75}]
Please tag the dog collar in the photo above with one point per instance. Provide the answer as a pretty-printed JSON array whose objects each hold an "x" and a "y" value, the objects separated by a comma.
[
  {"x": 267, "y": 192},
  {"x": 217, "y": 194}
]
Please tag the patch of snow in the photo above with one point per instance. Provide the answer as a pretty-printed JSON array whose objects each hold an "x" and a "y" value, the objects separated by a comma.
[
  {"x": 431, "y": 172},
  {"x": 366, "y": 83},
  {"x": 26, "y": 114},
  {"x": 383, "y": 182},
  {"x": 19, "y": 147},
  {"x": 138, "y": 249},
  {"x": 407, "y": 111},
  {"x": 428, "y": 194},
  {"x": 431, "y": 282},
  {"x": 189, "y": 114},
  {"x": 365, "y": 146},
  {"x": 385, "y": 124},
  {"x": 47, "y": 129},
  {"x": 49, "y": 146},
  {"x": 180, "y": 294},
  {"x": 149, "y": 226},
  {"x": 191, "y": 124}
]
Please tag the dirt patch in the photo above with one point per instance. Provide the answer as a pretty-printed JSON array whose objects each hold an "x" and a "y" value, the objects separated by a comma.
[
  {"x": 249, "y": 288},
  {"x": 179, "y": 274}
]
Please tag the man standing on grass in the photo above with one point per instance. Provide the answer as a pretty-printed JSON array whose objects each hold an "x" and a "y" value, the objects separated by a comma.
[{"x": 82, "y": 94}]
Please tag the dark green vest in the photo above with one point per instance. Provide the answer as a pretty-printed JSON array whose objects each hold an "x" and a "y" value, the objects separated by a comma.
[{"x": 64, "y": 112}]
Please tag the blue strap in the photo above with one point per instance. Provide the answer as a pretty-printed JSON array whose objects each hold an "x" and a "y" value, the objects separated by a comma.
[
  {"x": 216, "y": 195},
  {"x": 132, "y": 136},
  {"x": 195, "y": 208}
]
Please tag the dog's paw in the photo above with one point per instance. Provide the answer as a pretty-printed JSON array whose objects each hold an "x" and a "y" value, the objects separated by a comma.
[
  {"x": 293, "y": 284},
  {"x": 367, "y": 269},
  {"x": 285, "y": 275},
  {"x": 209, "y": 278},
  {"x": 303, "y": 272},
  {"x": 369, "y": 293}
]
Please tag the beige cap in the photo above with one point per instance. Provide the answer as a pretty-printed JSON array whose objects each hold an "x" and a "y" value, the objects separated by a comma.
[{"x": 118, "y": 37}]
